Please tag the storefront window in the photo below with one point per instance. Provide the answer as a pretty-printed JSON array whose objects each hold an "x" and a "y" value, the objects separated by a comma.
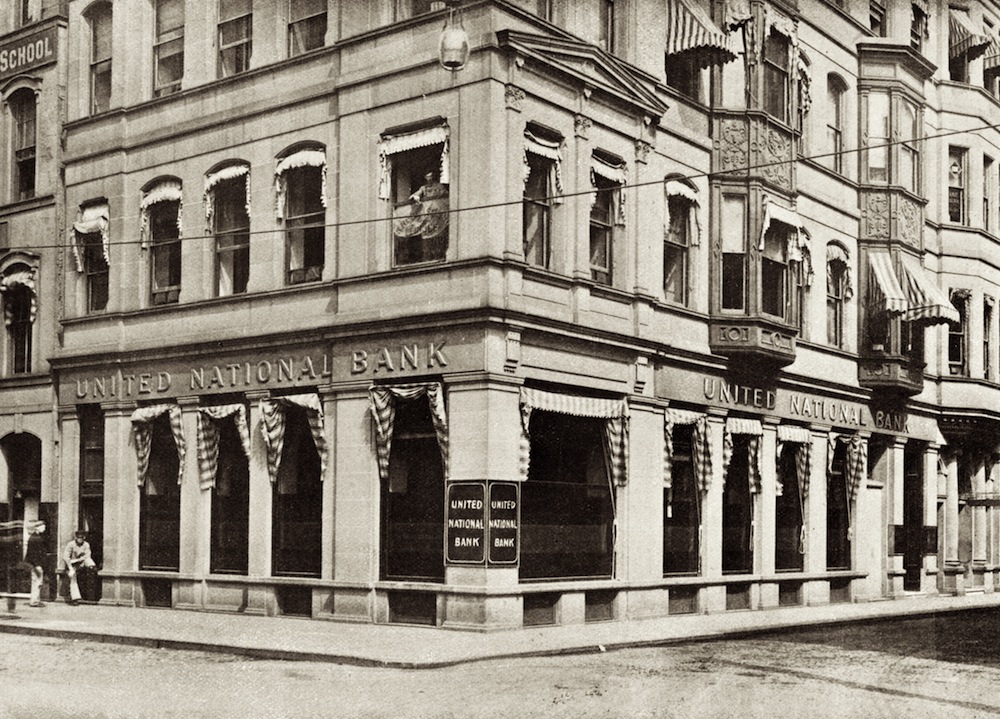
[
  {"x": 91, "y": 516},
  {"x": 838, "y": 541},
  {"x": 296, "y": 535},
  {"x": 567, "y": 515},
  {"x": 788, "y": 554},
  {"x": 681, "y": 508},
  {"x": 160, "y": 502},
  {"x": 413, "y": 497},
  {"x": 230, "y": 504},
  {"x": 737, "y": 510}
]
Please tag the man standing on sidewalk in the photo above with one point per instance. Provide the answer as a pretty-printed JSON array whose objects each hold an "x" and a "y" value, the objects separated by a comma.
[
  {"x": 35, "y": 556},
  {"x": 77, "y": 556}
]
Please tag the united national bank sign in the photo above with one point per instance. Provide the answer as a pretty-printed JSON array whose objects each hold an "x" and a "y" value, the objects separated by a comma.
[{"x": 29, "y": 52}]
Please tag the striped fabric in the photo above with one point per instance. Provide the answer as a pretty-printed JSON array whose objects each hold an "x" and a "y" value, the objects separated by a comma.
[
  {"x": 691, "y": 33},
  {"x": 802, "y": 438},
  {"x": 964, "y": 38},
  {"x": 209, "y": 419},
  {"x": 927, "y": 303},
  {"x": 383, "y": 403},
  {"x": 548, "y": 149},
  {"x": 754, "y": 430},
  {"x": 855, "y": 468},
  {"x": 884, "y": 291},
  {"x": 26, "y": 279},
  {"x": 229, "y": 172},
  {"x": 617, "y": 174},
  {"x": 302, "y": 158},
  {"x": 675, "y": 188},
  {"x": 616, "y": 426},
  {"x": 701, "y": 446},
  {"x": 776, "y": 213},
  {"x": 93, "y": 220},
  {"x": 166, "y": 191},
  {"x": 142, "y": 431},
  {"x": 274, "y": 412},
  {"x": 991, "y": 61}
]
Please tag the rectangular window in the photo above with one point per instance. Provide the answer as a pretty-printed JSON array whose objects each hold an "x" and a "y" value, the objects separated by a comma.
[
  {"x": 23, "y": 12},
  {"x": 305, "y": 216},
  {"x": 877, "y": 153},
  {"x": 297, "y": 502},
  {"x": 606, "y": 38},
  {"x": 776, "y": 75},
  {"x": 838, "y": 537},
  {"x": 420, "y": 207},
  {"x": 774, "y": 271},
  {"x": 908, "y": 128},
  {"x": 684, "y": 75},
  {"x": 918, "y": 27},
  {"x": 100, "y": 58},
  {"x": 23, "y": 109},
  {"x": 168, "y": 50},
  {"x": 18, "y": 301},
  {"x": 95, "y": 268},
  {"x": 876, "y": 18},
  {"x": 681, "y": 509},
  {"x": 988, "y": 304},
  {"x": 165, "y": 253},
  {"x": 988, "y": 193},
  {"x": 235, "y": 36},
  {"x": 733, "y": 290},
  {"x": 537, "y": 211},
  {"x": 160, "y": 502},
  {"x": 835, "y": 125},
  {"x": 230, "y": 503},
  {"x": 232, "y": 237},
  {"x": 957, "y": 334},
  {"x": 956, "y": 185},
  {"x": 788, "y": 510},
  {"x": 836, "y": 274},
  {"x": 306, "y": 26},
  {"x": 412, "y": 8},
  {"x": 602, "y": 230},
  {"x": 675, "y": 249},
  {"x": 92, "y": 478},
  {"x": 737, "y": 510}
]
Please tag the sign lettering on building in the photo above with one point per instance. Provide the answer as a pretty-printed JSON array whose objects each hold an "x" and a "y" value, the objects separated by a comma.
[
  {"x": 466, "y": 543},
  {"x": 387, "y": 360},
  {"x": 27, "y": 53},
  {"x": 504, "y": 524}
]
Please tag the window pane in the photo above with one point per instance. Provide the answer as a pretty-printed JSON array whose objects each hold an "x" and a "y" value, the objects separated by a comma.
[
  {"x": 681, "y": 510},
  {"x": 301, "y": 9},
  {"x": 169, "y": 16},
  {"x": 101, "y": 86},
  {"x": 674, "y": 273},
  {"x": 229, "y": 9},
  {"x": 306, "y": 35},
  {"x": 169, "y": 64},
  {"x": 100, "y": 33},
  {"x": 788, "y": 554},
  {"x": 733, "y": 281},
  {"x": 737, "y": 552},
  {"x": 773, "y": 279}
]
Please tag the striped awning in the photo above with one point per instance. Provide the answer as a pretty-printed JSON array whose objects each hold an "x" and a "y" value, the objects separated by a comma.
[
  {"x": 774, "y": 212},
  {"x": 964, "y": 37},
  {"x": 166, "y": 191},
  {"x": 19, "y": 278},
  {"x": 550, "y": 150},
  {"x": 802, "y": 438},
  {"x": 691, "y": 33},
  {"x": 383, "y": 407},
  {"x": 754, "y": 430},
  {"x": 209, "y": 419},
  {"x": 93, "y": 220},
  {"x": 273, "y": 411},
  {"x": 701, "y": 446},
  {"x": 991, "y": 61},
  {"x": 390, "y": 145},
  {"x": 302, "y": 158},
  {"x": 884, "y": 292},
  {"x": 927, "y": 302}
]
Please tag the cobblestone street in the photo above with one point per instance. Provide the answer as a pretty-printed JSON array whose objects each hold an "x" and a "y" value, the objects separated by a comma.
[{"x": 912, "y": 668}]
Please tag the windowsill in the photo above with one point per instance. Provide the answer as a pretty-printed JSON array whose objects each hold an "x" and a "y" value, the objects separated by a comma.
[
  {"x": 820, "y": 167},
  {"x": 23, "y": 205}
]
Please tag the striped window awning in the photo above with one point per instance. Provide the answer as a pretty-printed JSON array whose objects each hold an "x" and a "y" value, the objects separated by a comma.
[
  {"x": 273, "y": 415},
  {"x": 384, "y": 399},
  {"x": 884, "y": 291},
  {"x": 550, "y": 150},
  {"x": 142, "y": 431},
  {"x": 927, "y": 302},
  {"x": 166, "y": 191},
  {"x": 209, "y": 420},
  {"x": 390, "y": 145},
  {"x": 302, "y": 158},
  {"x": 691, "y": 33},
  {"x": 19, "y": 278},
  {"x": 991, "y": 61},
  {"x": 776, "y": 213},
  {"x": 93, "y": 220},
  {"x": 754, "y": 430},
  {"x": 701, "y": 446},
  {"x": 964, "y": 37}
]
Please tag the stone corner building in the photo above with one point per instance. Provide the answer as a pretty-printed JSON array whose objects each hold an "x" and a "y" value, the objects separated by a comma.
[{"x": 654, "y": 307}]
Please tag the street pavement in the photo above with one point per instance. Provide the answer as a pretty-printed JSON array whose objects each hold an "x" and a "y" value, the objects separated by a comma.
[{"x": 414, "y": 647}]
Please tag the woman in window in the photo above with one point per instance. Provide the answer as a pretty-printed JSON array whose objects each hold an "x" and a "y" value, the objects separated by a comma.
[{"x": 429, "y": 216}]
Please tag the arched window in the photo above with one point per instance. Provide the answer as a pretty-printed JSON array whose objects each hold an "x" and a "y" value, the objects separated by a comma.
[
  {"x": 99, "y": 16},
  {"x": 838, "y": 292},
  {"x": 680, "y": 233},
  {"x": 227, "y": 209},
  {"x": 18, "y": 290},
  {"x": 160, "y": 230},
  {"x": 836, "y": 90},
  {"x": 22, "y": 110},
  {"x": 300, "y": 189}
]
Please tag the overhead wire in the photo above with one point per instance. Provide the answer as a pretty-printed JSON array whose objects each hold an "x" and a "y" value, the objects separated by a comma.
[{"x": 732, "y": 172}]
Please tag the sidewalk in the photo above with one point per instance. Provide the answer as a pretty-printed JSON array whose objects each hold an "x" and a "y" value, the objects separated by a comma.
[{"x": 399, "y": 646}]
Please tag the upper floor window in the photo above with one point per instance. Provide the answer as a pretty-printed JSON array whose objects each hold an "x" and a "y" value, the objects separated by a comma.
[
  {"x": 92, "y": 252},
  {"x": 607, "y": 177},
  {"x": 227, "y": 194},
  {"x": 733, "y": 271},
  {"x": 300, "y": 179},
  {"x": 838, "y": 292},
  {"x": 99, "y": 17},
  {"x": 24, "y": 15},
  {"x": 306, "y": 25},
  {"x": 918, "y": 26},
  {"x": 415, "y": 178},
  {"x": 235, "y": 36},
  {"x": 776, "y": 75},
  {"x": 835, "y": 92},
  {"x": 411, "y": 8},
  {"x": 966, "y": 42},
  {"x": 681, "y": 232},
  {"x": 168, "y": 48},
  {"x": 18, "y": 290},
  {"x": 542, "y": 186},
  {"x": 989, "y": 191},
  {"x": 606, "y": 36},
  {"x": 885, "y": 161},
  {"x": 988, "y": 363},
  {"x": 684, "y": 75},
  {"x": 876, "y": 18},
  {"x": 956, "y": 184},
  {"x": 160, "y": 213},
  {"x": 22, "y": 110},
  {"x": 958, "y": 332},
  {"x": 543, "y": 9}
]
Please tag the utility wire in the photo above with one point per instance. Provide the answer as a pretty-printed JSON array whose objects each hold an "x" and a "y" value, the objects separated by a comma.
[{"x": 733, "y": 172}]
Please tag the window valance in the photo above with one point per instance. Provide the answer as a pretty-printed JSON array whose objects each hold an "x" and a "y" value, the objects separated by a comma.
[
  {"x": 964, "y": 38},
  {"x": 19, "y": 278},
  {"x": 142, "y": 431},
  {"x": 167, "y": 191},
  {"x": 855, "y": 467},
  {"x": 837, "y": 254},
  {"x": 615, "y": 412},
  {"x": 691, "y": 32},
  {"x": 676, "y": 188},
  {"x": 701, "y": 446},
  {"x": 302, "y": 158},
  {"x": 273, "y": 411},
  {"x": 754, "y": 430},
  {"x": 802, "y": 438},
  {"x": 616, "y": 173},
  {"x": 209, "y": 419},
  {"x": 93, "y": 220},
  {"x": 550, "y": 150},
  {"x": 390, "y": 145},
  {"x": 926, "y": 302},
  {"x": 383, "y": 407},
  {"x": 797, "y": 240},
  {"x": 229, "y": 172}
]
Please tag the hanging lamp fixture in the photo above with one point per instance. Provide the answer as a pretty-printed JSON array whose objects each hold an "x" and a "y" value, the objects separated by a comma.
[{"x": 453, "y": 48}]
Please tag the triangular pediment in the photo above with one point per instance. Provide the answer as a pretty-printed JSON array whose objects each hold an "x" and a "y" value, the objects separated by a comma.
[{"x": 587, "y": 64}]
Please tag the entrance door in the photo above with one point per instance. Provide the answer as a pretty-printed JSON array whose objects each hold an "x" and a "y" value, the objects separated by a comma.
[{"x": 913, "y": 517}]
